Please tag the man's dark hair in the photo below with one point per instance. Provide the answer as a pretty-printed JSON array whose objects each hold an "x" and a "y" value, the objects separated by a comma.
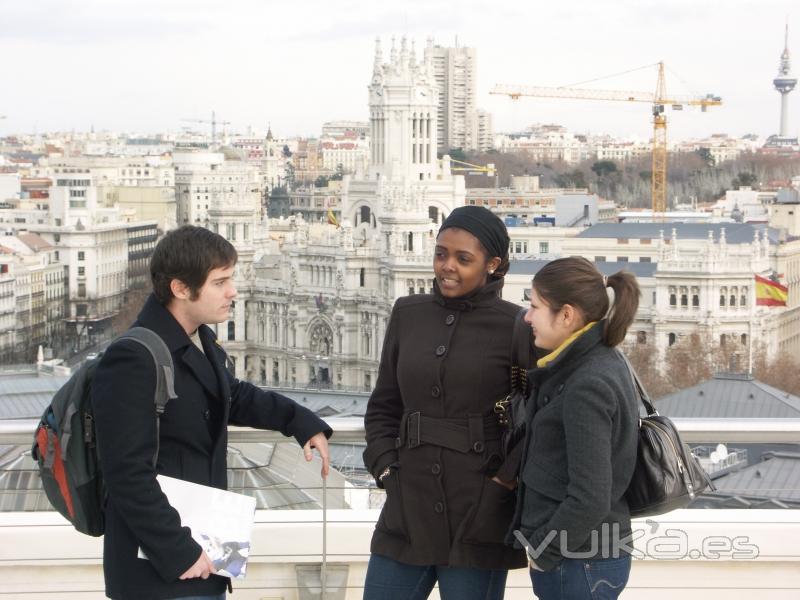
[{"x": 188, "y": 254}]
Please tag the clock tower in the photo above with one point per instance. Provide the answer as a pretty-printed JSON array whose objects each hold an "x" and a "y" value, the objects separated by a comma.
[{"x": 402, "y": 101}]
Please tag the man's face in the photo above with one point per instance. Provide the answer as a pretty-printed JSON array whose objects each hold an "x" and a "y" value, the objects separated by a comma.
[{"x": 213, "y": 302}]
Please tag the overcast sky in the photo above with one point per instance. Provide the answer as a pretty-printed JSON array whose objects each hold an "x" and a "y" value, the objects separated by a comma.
[{"x": 143, "y": 65}]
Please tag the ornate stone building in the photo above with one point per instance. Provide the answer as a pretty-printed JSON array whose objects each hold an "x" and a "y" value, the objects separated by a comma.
[{"x": 314, "y": 299}]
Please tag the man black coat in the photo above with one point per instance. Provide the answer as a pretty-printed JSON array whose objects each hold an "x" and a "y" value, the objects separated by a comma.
[
  {"x": 193, "y": 445},
  {"x": 445, "y": 363}
]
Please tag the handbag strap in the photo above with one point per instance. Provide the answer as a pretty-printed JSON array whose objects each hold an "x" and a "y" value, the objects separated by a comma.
[
  {"x": 520, "y": 353},
  {"x": 638, "y": 386}
]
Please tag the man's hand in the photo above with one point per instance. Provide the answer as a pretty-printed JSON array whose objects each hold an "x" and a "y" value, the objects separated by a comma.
[
  {"x": 202, "y": 568},
  {"x": 320, "y": 442}
]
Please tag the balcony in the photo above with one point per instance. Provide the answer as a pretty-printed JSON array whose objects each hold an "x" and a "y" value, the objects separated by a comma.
[{"x": 734, "y": 554}]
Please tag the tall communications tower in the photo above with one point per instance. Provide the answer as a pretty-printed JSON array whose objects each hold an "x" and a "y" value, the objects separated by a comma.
[{"x": 784, "y": 83}]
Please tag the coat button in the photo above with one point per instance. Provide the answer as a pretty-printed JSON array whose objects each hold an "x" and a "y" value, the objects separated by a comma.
[
  {"x": 436, "y": 468},
  {"x": 546, "y": 400},
  {"x": 440, "y": 351},
  {"x": 206, "y": 414},
  {"x": 435, "y": 391},
  {"x": 560, "y": 388},
  {"x": 450, "y": 320},
  {"x": 478, "y": 446},
  {"x": 438, "y": 507}
]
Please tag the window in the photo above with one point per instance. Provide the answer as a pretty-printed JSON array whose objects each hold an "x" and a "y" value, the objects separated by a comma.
[
  {"x": 722, "y": 299},
  {"x": 81, "y": 310},
  {"x": 673, "y": 300},
  {"x": 81, "y": 290},
  {"x": 622, "y": 259},
  {"x": 361, "y": 277},
  {"x": 544, "y": 247},
  {"x": 81, "y": 271},
  {"x": 231, "y": 330},
  {"x": 598, "y": 259},
  {"x": 671, "y": 339},
  {"x": 684, "y": 300},
  {"x": 641, "y": 337},
  {"x": 695, "y": 301},
  {"x": 81, "y": 255},
  {"x": 723, "y": 339},
  {"x": 645, "y": 259}
]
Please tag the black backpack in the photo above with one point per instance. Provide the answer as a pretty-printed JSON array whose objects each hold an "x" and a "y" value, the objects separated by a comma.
[{"x": 65, "y": 446}]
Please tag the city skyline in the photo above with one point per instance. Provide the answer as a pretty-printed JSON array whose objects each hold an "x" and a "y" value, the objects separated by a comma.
[{"x": 142, "y": 67}]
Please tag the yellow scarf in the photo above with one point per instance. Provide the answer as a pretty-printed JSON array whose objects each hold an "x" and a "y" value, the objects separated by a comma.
[{"x": 546, "y": 360}]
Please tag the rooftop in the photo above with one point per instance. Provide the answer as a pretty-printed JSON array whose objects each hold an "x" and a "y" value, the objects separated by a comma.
[
  {"x": 730, "y": 396},
  {"x": 735, "y": 233}
]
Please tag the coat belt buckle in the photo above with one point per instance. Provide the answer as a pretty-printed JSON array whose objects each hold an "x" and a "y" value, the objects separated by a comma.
[{"x": 413, "y": 429}]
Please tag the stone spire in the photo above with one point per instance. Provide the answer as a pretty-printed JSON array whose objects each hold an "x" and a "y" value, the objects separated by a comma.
[{"x": 376, "y": 69}]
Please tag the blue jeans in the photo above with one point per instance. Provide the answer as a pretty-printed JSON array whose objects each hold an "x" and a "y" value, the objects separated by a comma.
[
  {"x": 600, "y": 579},
  {"x": 388, "y": 579}
]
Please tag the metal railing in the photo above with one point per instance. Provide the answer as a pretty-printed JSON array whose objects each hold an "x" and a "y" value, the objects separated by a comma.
[
  {"x": 351, "y": 430},
  {"x": 357, "y": 523}
]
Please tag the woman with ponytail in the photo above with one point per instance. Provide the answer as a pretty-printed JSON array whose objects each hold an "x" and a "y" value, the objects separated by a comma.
[{"x": 580, "y": 446}]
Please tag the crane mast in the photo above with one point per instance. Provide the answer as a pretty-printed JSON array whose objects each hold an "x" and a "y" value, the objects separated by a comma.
[{"x": 659, "y": 101}]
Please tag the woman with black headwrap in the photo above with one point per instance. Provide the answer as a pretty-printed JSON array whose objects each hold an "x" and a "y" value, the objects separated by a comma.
[{"x": 433, "y": 440}]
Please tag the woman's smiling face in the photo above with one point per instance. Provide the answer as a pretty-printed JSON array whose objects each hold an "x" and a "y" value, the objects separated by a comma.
[{"x": 460, "y": 263}]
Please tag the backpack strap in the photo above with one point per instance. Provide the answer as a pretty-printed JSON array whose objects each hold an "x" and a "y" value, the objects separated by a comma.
[{"x": 165, "y": 372}]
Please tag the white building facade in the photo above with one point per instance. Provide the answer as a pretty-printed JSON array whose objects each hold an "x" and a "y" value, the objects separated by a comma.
[{"x": 314, "y": 299}]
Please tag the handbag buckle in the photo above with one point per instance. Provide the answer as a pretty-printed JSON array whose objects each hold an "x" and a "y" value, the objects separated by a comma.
[{"x": 501, "y": 409}]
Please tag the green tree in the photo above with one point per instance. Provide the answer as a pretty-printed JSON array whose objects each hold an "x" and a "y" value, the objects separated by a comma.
[
  {"x": 572, "y": 179},
  {"x": 708, "y": 158},
  {"x": 457, "y": 154},
  {"x": 745, "y": 179},
  {"x": 604, "y": 167}
]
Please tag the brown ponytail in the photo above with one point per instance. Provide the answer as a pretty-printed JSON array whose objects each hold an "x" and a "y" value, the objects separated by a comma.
[
  {"x": 577, "y": 282},
  {"x": 623, "y": 312}
]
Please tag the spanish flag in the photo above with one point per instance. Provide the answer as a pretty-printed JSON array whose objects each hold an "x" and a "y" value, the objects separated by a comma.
[
  {"x": 770, "y": 293},
  {"x": 332, "y": 218}
]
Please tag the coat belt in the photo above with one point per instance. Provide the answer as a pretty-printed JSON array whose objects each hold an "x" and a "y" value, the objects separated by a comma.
[{"x": 463, "y": 435}]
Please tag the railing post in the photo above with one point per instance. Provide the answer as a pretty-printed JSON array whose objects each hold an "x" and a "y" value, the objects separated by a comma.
[{"x": 323, "y": 573}]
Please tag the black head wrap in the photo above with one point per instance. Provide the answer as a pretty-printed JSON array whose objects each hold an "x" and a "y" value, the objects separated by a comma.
[{"x": 484, "y": 225}]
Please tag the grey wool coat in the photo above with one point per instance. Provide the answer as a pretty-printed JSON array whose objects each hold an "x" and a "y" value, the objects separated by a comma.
[
  {"x": 580, "y": 452},
  {"x": 431, "y": 419}
]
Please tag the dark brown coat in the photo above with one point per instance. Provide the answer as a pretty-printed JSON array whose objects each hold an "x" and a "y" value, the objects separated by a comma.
[{"x": 446, "y": 359}]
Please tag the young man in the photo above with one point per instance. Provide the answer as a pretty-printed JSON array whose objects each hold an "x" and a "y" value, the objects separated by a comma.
[{"x": 191, "y": 271}]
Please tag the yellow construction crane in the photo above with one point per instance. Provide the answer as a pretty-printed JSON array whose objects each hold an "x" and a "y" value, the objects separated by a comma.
[
  {"x": 470, "y": 169},
  {"x": 659, "y": 100},
  {"x": 214, "y": 122}
]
